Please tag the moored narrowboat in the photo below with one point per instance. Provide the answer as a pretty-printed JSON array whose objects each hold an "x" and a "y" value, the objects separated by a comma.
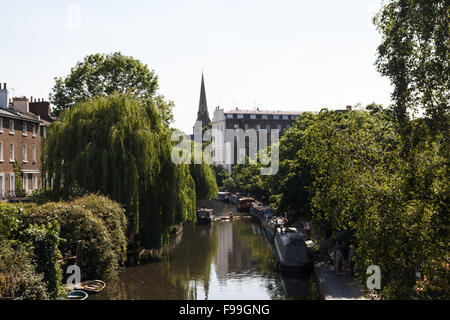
[
  {"x": 290, "y": 249},
  {"x": 244, "y": 204},
  {"x": 205, "y": 216},
  {"x": 235, "y": 197},
  {"x": 223, "y": 196}
]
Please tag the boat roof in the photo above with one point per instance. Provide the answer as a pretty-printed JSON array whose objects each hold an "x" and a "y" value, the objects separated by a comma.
[{"x": 246, "y": 198}]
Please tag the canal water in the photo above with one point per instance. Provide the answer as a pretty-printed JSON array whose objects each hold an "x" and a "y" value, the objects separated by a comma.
[{"x": 222, "y": 261}]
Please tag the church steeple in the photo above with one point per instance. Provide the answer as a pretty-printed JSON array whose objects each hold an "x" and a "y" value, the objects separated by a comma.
[{"x": 203, "y": 114}]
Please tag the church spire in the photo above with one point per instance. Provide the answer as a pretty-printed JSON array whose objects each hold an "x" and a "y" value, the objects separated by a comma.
[{"x": 203, "y": 114}]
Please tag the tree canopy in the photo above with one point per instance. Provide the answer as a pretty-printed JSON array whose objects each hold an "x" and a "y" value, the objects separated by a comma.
[
  {"x": 118, "y": 145},
  {"x": 102, "y": 75}
]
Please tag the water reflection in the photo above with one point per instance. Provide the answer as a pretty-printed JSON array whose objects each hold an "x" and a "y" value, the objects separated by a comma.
[{"x": 228, "y": 260}]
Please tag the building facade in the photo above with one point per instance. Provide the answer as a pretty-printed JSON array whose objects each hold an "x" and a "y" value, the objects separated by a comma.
[
  {"x": 226, "y": 150},
  {"x": 23, "y": 126}
]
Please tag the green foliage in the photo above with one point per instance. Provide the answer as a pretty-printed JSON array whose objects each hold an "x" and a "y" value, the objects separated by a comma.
[
  {"x": 18, "y": 276},
  {"x": 102, "y": 75},
  {"x": 40, "y": 235},
  {"x": 98, "y": 222},
  {"x": 205, "y": 181},
  {"x": 119, "y": 146},
  {"x": 34, "y": 272},
  {"x": 345, "y": 173},
  {"x": 18, "y": 178},
  {"x": 221, "y": 175},
  {"x": 414, "y": 55}
]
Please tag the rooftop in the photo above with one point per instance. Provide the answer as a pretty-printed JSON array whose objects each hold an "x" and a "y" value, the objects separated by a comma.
[{"x": 258, "y": 111}]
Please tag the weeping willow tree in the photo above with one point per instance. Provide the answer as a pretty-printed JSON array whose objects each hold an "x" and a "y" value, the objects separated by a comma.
[
  {"x": 119, "y": 146},
  {"x": 205, "y": 181}
]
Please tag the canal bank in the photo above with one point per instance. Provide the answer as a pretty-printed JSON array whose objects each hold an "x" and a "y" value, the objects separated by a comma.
[{"x": 332, "y": 287}]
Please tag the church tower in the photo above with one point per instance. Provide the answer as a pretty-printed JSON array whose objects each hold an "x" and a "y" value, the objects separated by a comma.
[{"x": 203, "y": 114}]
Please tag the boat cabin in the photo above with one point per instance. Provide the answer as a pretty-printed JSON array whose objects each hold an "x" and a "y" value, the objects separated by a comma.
[
  {"x": 205, "y": 216},
  {"x": 245, "y": 203}
]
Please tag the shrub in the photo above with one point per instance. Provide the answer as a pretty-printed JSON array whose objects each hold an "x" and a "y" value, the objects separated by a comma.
[
  {"x": 18, "y": 276},
  {"x": 98, "y": 222}
]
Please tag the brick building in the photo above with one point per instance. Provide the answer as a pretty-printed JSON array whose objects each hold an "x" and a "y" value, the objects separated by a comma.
[{"x": 23, "y": 125}]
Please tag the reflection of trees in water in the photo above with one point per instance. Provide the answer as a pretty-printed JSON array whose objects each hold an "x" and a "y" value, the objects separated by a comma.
[
  {"x": 190, "y": 263},
  {"x": 176, "y": 276}
]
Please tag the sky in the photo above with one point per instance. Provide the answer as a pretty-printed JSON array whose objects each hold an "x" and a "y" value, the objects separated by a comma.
[{"x": 272, "y": 54}]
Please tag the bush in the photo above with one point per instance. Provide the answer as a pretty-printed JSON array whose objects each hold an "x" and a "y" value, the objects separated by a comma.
[
  {"x": 18, "y": 276},
  {"x": 98, "y": 222},
  {"x": 32, "y": 238}
]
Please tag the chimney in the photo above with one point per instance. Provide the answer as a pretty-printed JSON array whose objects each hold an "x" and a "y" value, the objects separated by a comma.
[
  {"x": 3, "y": 96},
  {"x": 21, "y": 104},
  {"x": 4, "y": 86},
  {"x": 40, "y": 107}
]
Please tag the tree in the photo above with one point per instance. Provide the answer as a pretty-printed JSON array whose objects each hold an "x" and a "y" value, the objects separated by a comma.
[
  {"x": 414, "y": 55},
  {"x": 102, "y": 75},
  {"x": 118, "y": 145}
]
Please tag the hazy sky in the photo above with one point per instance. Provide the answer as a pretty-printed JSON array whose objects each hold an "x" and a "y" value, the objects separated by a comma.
[{"x": 280, "y": 54}]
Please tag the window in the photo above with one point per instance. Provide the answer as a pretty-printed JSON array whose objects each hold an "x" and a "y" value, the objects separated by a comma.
[
  {"x": 236, "y": 127},
  {"x": 24, "y": 129},
  {"x": 258, "y": 127},
  {"x": 268, "y": 127},
  {"x": 240, "y": 116},
  {"x": 275, "y": 116},
  {"x": 253, "y": 116},
  {"x": 11, "y": 152},
  {"x": 285, "y": 117},
  {"x": 279, "y": 127},
  {"x": 12, "y": 185},
  {"x": 1, "y": 151},
  {"x": 264, "y": 116},
  {"x": 34, "y": 181},
  {"x": 2, "y": 185},
  {"x": 246, "y": 127},
  {"x": 11, "y": 127},
  {"x": 24, "y": 153},
  {"x": 229, "y": 116},
  {"x": 1, "y": 125},
  {"x": 25, "y": 182},
  {"x": 33, "y": 153},
  {"x": 34, "y": 130}
]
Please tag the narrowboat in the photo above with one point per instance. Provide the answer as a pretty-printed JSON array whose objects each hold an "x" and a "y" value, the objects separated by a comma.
[
  {"x": 235, "y": 197},
  {"x": 271, "y": 224},
  {"x": 223, "y": 196},
  {"x": 290, "y": 249},
  {"x": 244, "y": 204},
  {"x": 263, "y": 213},
  {"x": 205, "y": 216}
]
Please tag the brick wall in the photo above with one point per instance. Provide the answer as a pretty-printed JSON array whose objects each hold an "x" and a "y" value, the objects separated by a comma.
[{"x": 19, "y": 139}]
